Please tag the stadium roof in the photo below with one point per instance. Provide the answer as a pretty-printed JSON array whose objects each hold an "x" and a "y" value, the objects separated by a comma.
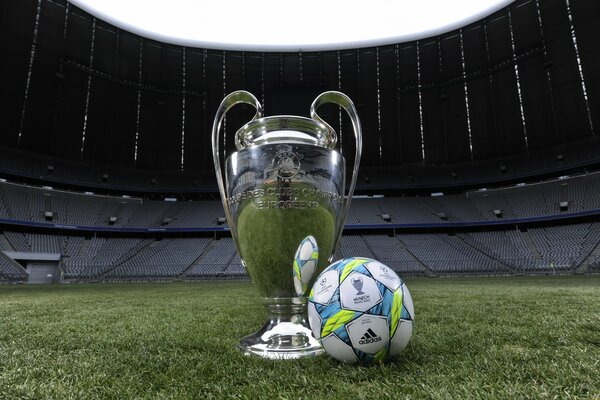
[{"x": 275, "y": 25}]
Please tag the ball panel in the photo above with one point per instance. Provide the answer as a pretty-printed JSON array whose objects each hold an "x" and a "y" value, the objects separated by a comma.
[
  {"x": 328, "y": 310},
  {"x": 306, "y": 249},
  {"x": 396, "y": 310},
  {"x": 336, "y": 265},
  {"x": 308, "y": 269},
  {"x": 299, "y": 286},
  {"x": 359, "y": 292},
  {"x": 338, "y": 349},
  {"x": 384, "y": 274},
  {"x": 351, "y": 265},
  {"x": 369, "y": 333},
  {"x": 405, "y": 314},
  {"x": 385, "y": 306},
  {"x": 401, "y": 338},
  {"x": 336, "y": 321},
  {"x": 325, "y": 287},
  {"x": 314, "y": 320},
  {"x": 408, "y": 302}
]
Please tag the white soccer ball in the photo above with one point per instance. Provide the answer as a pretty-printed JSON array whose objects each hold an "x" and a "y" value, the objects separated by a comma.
[
  {"x": 361, "y": 311},
  {"x": 306, "y": 260}
]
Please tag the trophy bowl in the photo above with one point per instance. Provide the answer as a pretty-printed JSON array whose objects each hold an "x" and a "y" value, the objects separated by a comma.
[{"x": 284, "y": 183}]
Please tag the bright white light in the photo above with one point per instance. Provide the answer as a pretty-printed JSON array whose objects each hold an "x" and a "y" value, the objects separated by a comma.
[{"x": 276, "y": 25}]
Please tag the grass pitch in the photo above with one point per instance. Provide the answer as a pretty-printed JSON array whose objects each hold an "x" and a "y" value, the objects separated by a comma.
[{"x": 508, "y": 338}]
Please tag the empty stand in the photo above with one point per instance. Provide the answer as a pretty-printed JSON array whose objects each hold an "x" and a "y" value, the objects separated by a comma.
[
  {"x": 10, "y": 270},
  {"x": 561, "y": 248}
]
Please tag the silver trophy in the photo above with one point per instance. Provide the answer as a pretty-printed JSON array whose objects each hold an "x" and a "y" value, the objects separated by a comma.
[{"x": 284, "y": 183}]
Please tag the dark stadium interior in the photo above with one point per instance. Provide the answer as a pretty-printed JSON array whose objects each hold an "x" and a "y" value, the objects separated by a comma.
[{"x": 481, "y": 151}]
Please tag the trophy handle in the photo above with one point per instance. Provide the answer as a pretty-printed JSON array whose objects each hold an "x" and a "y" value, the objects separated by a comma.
[
  {"x": 234, "y": 98},
  {"x": 343, "y": 101}
]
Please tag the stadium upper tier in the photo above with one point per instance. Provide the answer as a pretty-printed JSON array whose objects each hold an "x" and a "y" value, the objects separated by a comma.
[
  {"x": 557, "y": 199},
  {"x": 555, "y": 161}
]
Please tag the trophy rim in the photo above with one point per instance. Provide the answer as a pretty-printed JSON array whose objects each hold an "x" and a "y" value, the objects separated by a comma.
[
  {"x": 263, "y": 131},
  {"x": 292, "y": 142}
]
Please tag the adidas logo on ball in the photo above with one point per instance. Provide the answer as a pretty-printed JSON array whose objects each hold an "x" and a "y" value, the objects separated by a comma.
[{"x": 369, "y": 337}]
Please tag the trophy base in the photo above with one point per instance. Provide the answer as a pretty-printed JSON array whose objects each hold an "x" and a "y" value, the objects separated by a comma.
[{"x": 285, "y": 335}]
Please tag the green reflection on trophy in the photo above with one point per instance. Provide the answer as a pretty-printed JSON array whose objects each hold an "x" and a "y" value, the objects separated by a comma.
[{"x": 284, "y": 183}]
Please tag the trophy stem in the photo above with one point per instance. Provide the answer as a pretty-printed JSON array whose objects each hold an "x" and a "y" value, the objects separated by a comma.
[{"x": 286, "y": 334}]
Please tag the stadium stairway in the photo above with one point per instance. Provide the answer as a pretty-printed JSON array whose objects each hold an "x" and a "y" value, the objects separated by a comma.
[
  {"x": 168, "y": 215},
  {"x": 589, "y": 261},
  {"x": 486, "y": 252},
  {"x": 83, "y": 250},
  {"x": 11, "y": 269},
  {"x": 200, "y": 267},
  {"x": 404, "y": 248},
  {"x": 196, "y": 262},
  {"x": 530, "y": 244},
  {"x": 5, "y": 244},
  {"x": 138, "y": 248},
  {"x": 107, "y": 210}
]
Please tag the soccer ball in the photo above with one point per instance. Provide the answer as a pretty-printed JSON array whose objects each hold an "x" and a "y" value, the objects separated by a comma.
[
  {"x": 361, "y": 311},
  {"x": 305, "y": 264}
]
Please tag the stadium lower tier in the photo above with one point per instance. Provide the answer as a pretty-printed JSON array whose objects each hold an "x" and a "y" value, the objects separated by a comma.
[{"x": 572, "y": 248}]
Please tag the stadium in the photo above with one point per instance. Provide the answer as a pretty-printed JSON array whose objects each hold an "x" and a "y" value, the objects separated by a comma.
[{"x": 479, "y": 185}]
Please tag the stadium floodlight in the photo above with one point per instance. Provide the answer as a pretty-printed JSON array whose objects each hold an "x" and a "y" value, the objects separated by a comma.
[{"x": 272, "y": 25}]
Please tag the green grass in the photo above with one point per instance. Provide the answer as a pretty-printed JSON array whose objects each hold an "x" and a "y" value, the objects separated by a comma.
[
  {"x": 507, "y": 338},
  {"x": 269, "y": 237}
]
